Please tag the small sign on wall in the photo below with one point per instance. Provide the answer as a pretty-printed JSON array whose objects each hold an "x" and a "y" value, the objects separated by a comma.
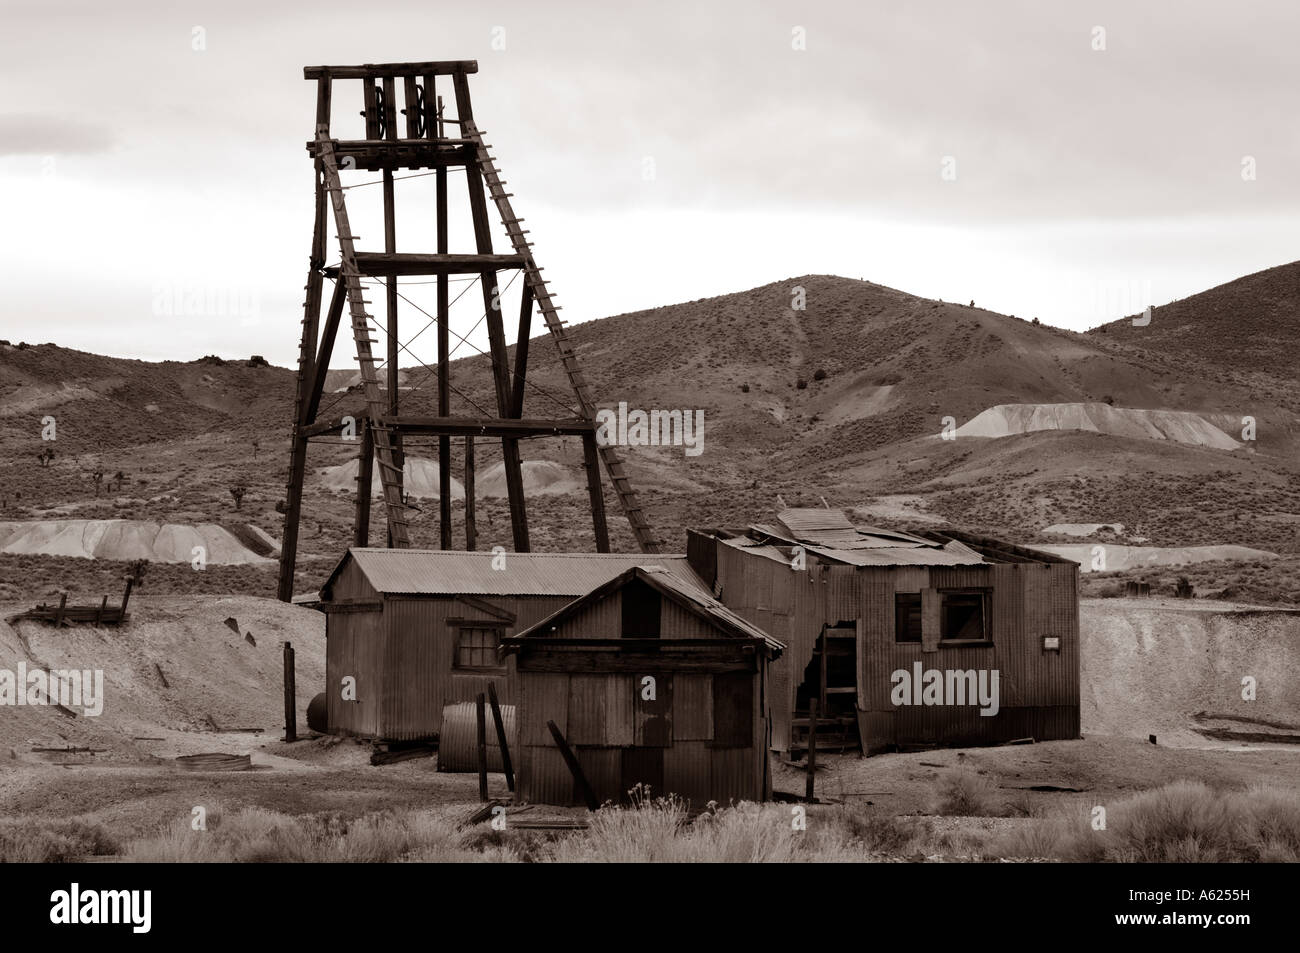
[{"x": 1051, "y": 643}]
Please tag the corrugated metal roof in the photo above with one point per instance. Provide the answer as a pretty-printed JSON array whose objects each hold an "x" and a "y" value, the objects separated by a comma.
[
  {"x": 801, "y": 520},
  {"x": 711, "y": 606},
  {"x": 866, "y": 546},
  {"x": 450, "y": 572},
  {"x": 684, "y": 590}
]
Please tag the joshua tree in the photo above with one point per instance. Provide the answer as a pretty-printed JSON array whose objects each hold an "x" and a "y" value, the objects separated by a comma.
[
  {"x": 237, "y": 491},
  {"x": 45, "y": 456},
  {"x": 118, "y": 479},
  {"x": 257, "y": 444},
  {"x": 97, "y": 478}
]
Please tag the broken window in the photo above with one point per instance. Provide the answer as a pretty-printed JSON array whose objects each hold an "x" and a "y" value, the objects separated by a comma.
[
  {"x": 476, "y": 648},
  {"x": 963, "y": 616},
  {"x": 907, "y": 617}
]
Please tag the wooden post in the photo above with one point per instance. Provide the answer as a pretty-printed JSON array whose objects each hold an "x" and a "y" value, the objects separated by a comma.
[
  {"x": 501, "y": 737},
  {"x": 126, "y": 596},
  {"x": 58, "y": 616},
  {"x": 575, "y": 769},
  {"x": 99, "y": 613},
  {"x": 591, "y": 458},
  {"x": 482, "y": 748},
  {"x": 365, "y": 473},
  {"x": 471, "y": 526},
  {"x": 809, "y": 796},
  {"x": 290, "y": 694}
]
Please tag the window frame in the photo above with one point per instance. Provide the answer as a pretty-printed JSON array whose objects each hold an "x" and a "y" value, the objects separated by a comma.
[
  {"x": 920, "y": 614},
  {"x": 499, "y": 631},
  {"x": 985, "y": 594}
]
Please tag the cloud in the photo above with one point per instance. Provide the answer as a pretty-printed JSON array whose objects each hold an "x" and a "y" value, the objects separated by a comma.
[{"x": 22, "y": 134}]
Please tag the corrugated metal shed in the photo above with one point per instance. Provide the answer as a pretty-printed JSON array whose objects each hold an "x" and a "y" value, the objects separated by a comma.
[{"x": 449, "y": 572}]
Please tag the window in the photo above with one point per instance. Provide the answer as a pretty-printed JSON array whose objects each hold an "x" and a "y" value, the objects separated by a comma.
[
  {"x": 477, "y": 648},
  {"x": 907, "y": 617},
  {"x": 963, "y": 616},
  {"x": 641, "y": 611}
]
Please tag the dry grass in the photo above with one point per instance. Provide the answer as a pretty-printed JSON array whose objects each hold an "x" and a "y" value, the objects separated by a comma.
[
  {"x": 28, "y": 841},
  {"x": 255, "y": 835},
  {"x": 1182, "y": 822},
  {"x": 963, "y": 792}
]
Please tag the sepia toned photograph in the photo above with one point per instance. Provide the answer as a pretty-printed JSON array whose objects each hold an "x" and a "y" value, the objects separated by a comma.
[{"x": 680, "y": 433}]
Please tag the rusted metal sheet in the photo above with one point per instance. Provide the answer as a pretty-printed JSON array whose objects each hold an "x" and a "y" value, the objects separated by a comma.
[
  {"x": 587, "y": 701},
  {"x": 652, "y": 724},
  {"x": 543, "y": 777},
  {"x": 735, "y": 774},
  {"x": 545, "y": 698},
  {"x": 603, "y": 768},
  {"x": 692, "y": 708}
]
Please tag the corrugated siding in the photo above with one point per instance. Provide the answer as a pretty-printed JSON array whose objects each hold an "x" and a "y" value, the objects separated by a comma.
[
  {"x": 1038, "y": 691},
  {"x": 351, "y": 585},
  {"x": 692, "y": 708},
  {"x": 687, "y": 772},
  {"x": 353, "y": 647},
  {"x": 652, "y": 718},
  {"x": 416, "y": 662}
]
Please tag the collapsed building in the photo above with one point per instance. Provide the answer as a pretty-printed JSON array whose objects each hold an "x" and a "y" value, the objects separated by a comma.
[{"x": 936, "y": 637}]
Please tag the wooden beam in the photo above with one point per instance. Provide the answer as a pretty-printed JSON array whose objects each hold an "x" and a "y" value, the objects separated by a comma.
[
  {"x": 811, "y": 781},
  {"x": 521, "y": 352},
  {"x": 375, "y": 154},
  {"x": 290, "y": 696},
  {"x": 591, "y": 461},
  {"x": 481, "y": 739},
  {"x": 321, "y": 365},
  {"x": 388, "y": 264},
  {"x": 431, "y": 68},
  {"x": 490, "y": 426},
  {"x": 471, "y": 525},
  {"x": 580, "y": 779},
  {"x": 444, "y": 365},
  {"x": 504, "y": 744},
  {"x": 365, "y": 472}
]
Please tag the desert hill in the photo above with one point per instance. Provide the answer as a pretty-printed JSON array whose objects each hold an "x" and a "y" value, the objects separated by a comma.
[
  {"x": 1240, "y": 333},
  {"x": 841, "y": 400}
]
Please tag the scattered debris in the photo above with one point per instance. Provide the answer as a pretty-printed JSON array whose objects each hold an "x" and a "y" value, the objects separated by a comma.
[{"x": 215, "y": 762}]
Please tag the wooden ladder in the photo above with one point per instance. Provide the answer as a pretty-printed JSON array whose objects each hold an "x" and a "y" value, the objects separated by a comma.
[
  {"x": 627, "y": 496},
  {"x": 389, "y": 473}
]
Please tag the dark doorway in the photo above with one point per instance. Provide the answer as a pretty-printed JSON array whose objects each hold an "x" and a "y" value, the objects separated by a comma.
[{"x": 831, "y": 677}]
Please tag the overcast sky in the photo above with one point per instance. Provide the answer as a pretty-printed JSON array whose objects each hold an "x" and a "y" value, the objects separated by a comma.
[{"x": 141, "y": 174}]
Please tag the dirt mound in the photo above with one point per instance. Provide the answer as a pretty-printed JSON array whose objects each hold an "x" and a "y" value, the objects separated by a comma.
[
  {"x": 419, "y": 478},
  {"x": 125, "y": 540},
  {"x": 540, "y": 476},
  {"x": 1120, "y": 558},
  {"x": 173, "y": 672},
  {"x": 1004, "y": 420},
  {"x": 1148, "y": 667}
]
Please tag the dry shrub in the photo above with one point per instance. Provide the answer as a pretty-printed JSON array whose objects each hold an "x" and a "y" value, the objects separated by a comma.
[
  {"x": 656, "y": 830},
  {"x": 880, "y": 833},
  {"x": 255, "y": 835},
  {"x": 29, "y": 841},
  {"x": 963, "y": 792},
  {"x": 1182, "y": 822}
]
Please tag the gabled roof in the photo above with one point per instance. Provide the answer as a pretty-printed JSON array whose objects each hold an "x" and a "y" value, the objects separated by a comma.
[
  {"x": 687, "y": 595},
  {"x": 451, "y": 572}
]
